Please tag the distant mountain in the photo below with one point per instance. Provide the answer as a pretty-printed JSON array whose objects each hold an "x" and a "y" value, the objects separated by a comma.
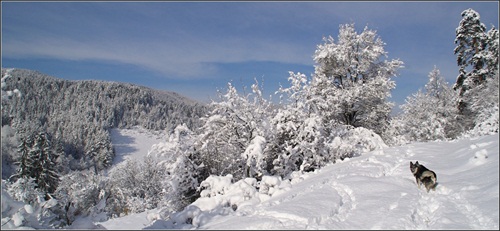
[{"x": 79, "y": 112}]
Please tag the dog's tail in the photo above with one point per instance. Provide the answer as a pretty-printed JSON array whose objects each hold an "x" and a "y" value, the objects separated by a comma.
[{"x": 430, "y": 180}]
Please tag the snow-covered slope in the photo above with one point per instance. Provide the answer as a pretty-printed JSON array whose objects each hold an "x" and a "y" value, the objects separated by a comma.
[
  {"x": 133, "y": 143},
  {"x": 373, "y": 191}
]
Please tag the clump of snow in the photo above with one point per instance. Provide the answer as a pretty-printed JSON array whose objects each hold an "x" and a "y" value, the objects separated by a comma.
[
  {"x": 356, "y": 141},
  {"x": 220, "y": 196},
  {"x": 273, "y": 185},
  {"x": 254, "y": 153}
]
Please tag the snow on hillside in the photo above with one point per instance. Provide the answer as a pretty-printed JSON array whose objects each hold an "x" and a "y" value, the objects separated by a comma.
[
  {"x": 133, "y": 143},
  {"x": 373, "y": 191}
]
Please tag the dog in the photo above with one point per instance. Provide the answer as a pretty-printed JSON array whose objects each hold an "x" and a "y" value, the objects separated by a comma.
[{"x": 424, "y": 176}]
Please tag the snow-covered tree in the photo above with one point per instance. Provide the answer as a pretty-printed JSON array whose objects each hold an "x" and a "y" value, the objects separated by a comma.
[
  {"x": 26, "y": 190},
  {"x": 7, "y": 94},
  {"x": 79, "y": 112},
  {"x": 427, "y": 115},
  {"x": 177, "y": 157},
  {"x": 24, "y": 206},
  {"x": 303, "y": 140},
  {"x": 9, "y": 139},
  {"x": 138, "y": 185},
  {"x": 82, "y": 193},
  {"x": 100, "y": 152},
  {"x": 492, "y": 56},
  {"x": 437, "y": 86},
  {"x": 38, "y": 160},
  {"x": 484, "y": 100},
  {"x": 166, "y": 178},
  {"x": 9, "y": 143},
  {"x": 471, "y": 41},
  {"x": 298, "y": 141},
  {"x": 234, "y": 122},
  {"x": 352, "y": 81},
  {"x": 348, "y": 89},
  {"x": 477, "y": 58}
]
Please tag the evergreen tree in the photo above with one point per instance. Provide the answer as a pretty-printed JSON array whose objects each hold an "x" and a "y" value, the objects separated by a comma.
[
  {"x": 471, "y": 41},
  {"x": 477, "y": 58},
  {"x": 25, "y": 162},
  {"x": 492, "y": 57},
  {"x": 39, "y": 161},
  {"x": 100, "y": 152}
]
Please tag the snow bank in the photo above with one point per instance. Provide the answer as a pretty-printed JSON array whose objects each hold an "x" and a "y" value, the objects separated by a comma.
[{"x": 220, "y": 196}]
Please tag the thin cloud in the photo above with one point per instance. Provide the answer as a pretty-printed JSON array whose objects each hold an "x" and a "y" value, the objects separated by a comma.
[
  {"x": 173, "y": 51},
  {"x": 188, "y": 40}
]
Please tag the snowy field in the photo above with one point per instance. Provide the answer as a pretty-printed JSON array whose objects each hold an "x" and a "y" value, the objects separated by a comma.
[
  {"x": 373, "y": 191},
  {"x": 133, "y": 143}
]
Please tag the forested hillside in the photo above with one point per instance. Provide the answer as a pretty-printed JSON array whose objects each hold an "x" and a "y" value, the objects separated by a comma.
[{"x": 78, "y": 114}]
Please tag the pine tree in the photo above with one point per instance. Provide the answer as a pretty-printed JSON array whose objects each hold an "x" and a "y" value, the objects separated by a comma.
[
  {"x": 492, "y": 56},
  {"x": 471, "y": 42},
  {"x": 477, "y": 59},
  {"x": 25, "y": 162},
  {"x": 39, "y": 161}
]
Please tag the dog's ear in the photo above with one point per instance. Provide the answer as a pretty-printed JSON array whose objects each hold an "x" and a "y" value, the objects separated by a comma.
[
  {"x": 416, "y": 163},
  {"x": 411, "y": 164}
]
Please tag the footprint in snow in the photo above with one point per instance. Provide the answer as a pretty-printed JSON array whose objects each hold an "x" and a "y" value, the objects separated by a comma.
[{"x": 479, "y": 157}]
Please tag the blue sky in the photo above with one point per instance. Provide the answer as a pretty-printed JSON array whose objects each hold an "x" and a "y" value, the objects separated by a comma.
[{"x": 195, "y": 48}]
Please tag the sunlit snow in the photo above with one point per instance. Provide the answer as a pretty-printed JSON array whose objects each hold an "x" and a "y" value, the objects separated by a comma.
[{"x": 373, "y": 191}]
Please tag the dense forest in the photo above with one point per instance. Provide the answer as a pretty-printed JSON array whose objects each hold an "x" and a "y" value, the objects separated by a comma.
[{"x": 79, "y": 114}]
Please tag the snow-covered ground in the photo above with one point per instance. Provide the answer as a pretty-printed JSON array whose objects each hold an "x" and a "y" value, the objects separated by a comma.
[
  {"x": 133, "y": 143},
  {"x": 373, "y": 191}
]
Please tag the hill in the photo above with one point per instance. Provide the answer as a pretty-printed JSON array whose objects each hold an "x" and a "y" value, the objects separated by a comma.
[{"x": 79, "y": 114}]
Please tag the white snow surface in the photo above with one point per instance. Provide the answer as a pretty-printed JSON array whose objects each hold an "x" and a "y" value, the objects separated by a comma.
[
  {"x": 133, "y": 144},
  {"x": 373, "y": 191}
]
